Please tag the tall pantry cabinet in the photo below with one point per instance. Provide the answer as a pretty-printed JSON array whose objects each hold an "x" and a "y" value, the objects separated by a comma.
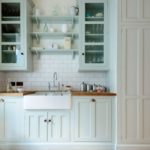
[{"x": 134, "y": 72}]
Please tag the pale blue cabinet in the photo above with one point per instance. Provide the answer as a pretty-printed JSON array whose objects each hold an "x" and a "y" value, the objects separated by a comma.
[
  {"x": 11, "y": 119},
  {"x": 92, "y": 119},
  {"x": 93, "y": 34},
  {"x": 51, "y": 126},
  {"x": 14, "y": 39}
]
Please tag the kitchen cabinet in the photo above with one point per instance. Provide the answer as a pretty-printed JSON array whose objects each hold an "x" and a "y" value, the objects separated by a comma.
[
  {"x": 11, "y": 119},
  {"x": 93, "y": 31},
  {"x": 51, "y": 126},
  {"x": 92, "y": 119},
  {"x": 133, "y": 73},
  {"x": 14, "y": 39},
  {"x": 58, "y": 28}
]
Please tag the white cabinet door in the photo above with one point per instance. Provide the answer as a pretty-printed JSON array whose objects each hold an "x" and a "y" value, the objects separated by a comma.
[
  {"x": 10, "y": 119},
  {"x": 135, "y": 10},
  {"x": 102, "y": 119},
  {"x": 93, "y": 29},
  {"x": 82, "y": 119},
  {"x": 43, "y": 126},
  {"x": 35, "y": 126},
  {"x": 14, "y": 35},
  {"x": 58, "y": 126},
  {"x": 92, "y": 119}
]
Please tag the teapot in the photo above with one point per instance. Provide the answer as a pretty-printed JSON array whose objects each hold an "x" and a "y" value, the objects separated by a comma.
[{"x": 74, "y": 11}]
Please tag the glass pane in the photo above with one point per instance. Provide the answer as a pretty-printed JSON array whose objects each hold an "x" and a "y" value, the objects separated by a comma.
[
  {"x": 94, "y": 33},
  {"x": 94, "y": 12},
  {"x": 11, "y": 53},
  {"x": 10, "y": 32},
  {"x": 94, "y": 54},
  {"x": 10, "y": 11}
]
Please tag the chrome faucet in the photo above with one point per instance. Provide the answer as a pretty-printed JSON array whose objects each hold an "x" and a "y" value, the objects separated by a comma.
[{"x": 54, "y": 79}]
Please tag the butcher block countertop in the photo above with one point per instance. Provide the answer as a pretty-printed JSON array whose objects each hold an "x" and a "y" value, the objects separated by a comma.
[
  {"x": 4, "y": 93},
  {"x": 73, "y": 93},
  {"x": 79, "y": 93}
]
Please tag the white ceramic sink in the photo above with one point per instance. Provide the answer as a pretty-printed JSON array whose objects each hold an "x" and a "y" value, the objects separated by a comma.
[{"x": 47, "y": 100}]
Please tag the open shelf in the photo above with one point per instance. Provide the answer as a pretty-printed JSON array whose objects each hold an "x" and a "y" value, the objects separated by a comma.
[
  {"x": 54, "y": 19},
  {"x": 54, "y": 34},
  {"x": 39, "y": 51}
]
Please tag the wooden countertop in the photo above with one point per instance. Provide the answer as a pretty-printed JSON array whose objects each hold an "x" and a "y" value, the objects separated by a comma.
[
  {"x": 73, "y": 93},
  {"x": 79, "y": 93},
  {"x": 4, "y": 93}
]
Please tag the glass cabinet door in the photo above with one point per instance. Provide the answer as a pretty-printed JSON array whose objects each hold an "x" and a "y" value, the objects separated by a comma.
[
  {"x": 11, "y": 33},
  {"x": 94, "y": 32}
]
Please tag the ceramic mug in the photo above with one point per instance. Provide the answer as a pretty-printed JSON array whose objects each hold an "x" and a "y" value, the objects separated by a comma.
[{"x": 64, "y": 28}]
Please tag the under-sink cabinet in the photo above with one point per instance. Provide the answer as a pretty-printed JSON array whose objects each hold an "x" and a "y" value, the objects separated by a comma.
[
  {"x": 11, "y": 119},
  {"x": 14, "y": 39},
  {"x": 93, "y": 30},
  {"x": 47, "y": 126},
  {"x": 92, "y": 119}
]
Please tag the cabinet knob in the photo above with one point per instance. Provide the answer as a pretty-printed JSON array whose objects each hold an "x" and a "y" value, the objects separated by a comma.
[
  {"x": 2, "y": 100},
  {"x": 45, "y": 120},
  {"x": 93, "y": 100},
  {"x": 83, "y": 54},
  {"x": 49, "y": 120}
]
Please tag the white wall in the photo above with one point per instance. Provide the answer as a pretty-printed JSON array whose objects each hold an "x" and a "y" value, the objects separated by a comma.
[
  {"x": 66, "y": 67},
  {"x": 2, "y": 81}
]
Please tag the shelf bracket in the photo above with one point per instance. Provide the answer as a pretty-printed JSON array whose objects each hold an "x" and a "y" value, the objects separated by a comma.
[
  {"x": 37, "y": 38},
  {"x": 37, "y": 22},
  {"x": 38, "y": 54},
  {"x": 72, "y": 21},
  {"x": 73, "y": 54}
]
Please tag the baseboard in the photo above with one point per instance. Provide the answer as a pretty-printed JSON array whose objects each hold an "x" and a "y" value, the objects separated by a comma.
[
  {"x": 56, "y": 146},
  {"x": 133, "y": 147}
]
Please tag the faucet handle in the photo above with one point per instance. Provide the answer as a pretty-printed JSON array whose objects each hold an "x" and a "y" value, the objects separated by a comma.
[{"x": 49, "y": 86}]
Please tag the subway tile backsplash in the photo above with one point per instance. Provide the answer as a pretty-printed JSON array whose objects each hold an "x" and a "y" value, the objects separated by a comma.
[{"x": 43, "y": 69}]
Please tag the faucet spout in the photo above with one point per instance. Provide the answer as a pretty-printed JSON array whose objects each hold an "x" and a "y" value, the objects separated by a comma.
[{"x": 54, "y": 78}]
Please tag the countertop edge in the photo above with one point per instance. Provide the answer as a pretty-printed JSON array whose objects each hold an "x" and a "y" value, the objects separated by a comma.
[{"x": 73, "y": 93}]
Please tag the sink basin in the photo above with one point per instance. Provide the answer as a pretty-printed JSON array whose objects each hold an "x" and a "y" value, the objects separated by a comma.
[{"x": 47, "y": 100}]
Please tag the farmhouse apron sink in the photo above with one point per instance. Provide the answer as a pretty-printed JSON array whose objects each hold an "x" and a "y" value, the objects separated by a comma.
[{"x": 47, "y": 100}]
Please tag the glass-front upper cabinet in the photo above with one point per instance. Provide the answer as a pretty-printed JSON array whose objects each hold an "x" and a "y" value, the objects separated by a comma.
[
  {"x": 13, "y": 34},
  {"x": 93, "y": 54}
]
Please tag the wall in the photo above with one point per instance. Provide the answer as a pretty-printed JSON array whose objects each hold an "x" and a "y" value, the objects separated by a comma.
[
  {"x": 64, "y": 65},
  {"x": 2, "y": 81}
]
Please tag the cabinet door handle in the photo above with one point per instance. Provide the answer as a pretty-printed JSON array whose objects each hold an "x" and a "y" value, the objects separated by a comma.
[
  {"x": 45, "y": 120},
  {"x": 49, "y": 120},
  {"x": 83, "y": 54},
  {"x": 93, "y": 100}
]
